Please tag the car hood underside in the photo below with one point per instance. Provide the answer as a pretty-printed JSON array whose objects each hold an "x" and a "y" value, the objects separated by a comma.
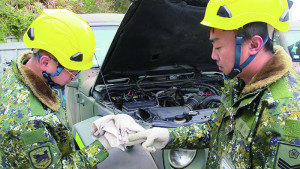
[{"x": 160, "y": 36}]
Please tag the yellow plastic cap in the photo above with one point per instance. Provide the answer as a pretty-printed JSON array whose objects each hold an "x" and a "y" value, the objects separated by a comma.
[
  {"x": 65, "y": 35},
  {"x": 234, "y": 14}
]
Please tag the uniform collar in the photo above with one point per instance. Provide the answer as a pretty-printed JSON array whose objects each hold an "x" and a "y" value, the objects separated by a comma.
[
  {"x": 274, "y": 69},
  {"x": 39, "y": 88}
]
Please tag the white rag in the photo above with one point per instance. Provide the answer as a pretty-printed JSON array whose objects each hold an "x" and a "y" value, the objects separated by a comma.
[{"x": 115, "y": 129}]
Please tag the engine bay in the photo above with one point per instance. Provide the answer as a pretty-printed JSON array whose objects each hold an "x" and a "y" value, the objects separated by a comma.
[{"x": 167, "y": 101}]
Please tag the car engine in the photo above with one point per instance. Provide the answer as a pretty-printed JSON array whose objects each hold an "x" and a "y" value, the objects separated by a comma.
[{"x": 164, "y": 101}]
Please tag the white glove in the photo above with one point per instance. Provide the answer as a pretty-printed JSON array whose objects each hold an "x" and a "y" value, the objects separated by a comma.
[
  {"x": 114, "y": 129},
  {"x": 155, "y": 138}
]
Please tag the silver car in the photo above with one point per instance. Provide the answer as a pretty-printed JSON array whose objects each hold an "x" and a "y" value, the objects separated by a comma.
[{"x": 154, "y": 65}]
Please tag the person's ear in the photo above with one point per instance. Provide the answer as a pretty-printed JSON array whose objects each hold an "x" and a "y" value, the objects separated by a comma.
[
  {"x": 44, "y": 62},
  {"x": 256, "y": 43}
]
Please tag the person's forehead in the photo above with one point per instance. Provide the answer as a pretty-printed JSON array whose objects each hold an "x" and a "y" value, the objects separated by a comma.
[{"x": 218, "y": 35}]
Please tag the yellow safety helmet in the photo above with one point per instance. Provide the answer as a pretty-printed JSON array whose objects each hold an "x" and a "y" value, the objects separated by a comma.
[
  {"x": 65, "y": 35},
  {"x": 234, "y": 14}
]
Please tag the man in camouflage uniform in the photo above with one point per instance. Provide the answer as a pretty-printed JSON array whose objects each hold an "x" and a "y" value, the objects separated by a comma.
[
  {"x": 34, "y": 132},
  {"x": 257, "y": 124}
]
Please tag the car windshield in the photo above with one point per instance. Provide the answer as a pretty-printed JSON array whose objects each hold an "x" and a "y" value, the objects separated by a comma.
[
  {"x": 104, "y": 36},
  {"x": 293, "y": 43}
]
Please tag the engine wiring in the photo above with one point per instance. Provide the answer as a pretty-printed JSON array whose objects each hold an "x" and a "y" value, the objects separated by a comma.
[
  {"x": 162, "y": 97},
  {"x": 164, "y": 94}
]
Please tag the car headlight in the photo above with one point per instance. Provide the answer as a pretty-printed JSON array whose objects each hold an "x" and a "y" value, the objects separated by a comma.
[{"x": 181, "y": 158}]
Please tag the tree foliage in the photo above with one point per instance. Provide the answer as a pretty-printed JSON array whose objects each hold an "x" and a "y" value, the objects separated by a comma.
[{"x": 16, "y": 15}]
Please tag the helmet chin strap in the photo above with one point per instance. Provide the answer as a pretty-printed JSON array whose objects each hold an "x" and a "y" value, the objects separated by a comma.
[
  {"x": 237, "y": 68},
  {"x": 51, "y": 82},
  {"x": 49, "y": 75}
]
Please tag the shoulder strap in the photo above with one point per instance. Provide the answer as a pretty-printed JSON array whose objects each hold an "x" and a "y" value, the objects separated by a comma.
[
  {"x": 36, "y": 106},
  {"x": 280, "y": 90}
]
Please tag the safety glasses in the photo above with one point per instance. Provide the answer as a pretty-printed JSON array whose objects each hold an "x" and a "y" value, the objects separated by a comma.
[{"x": 73, "y": 74}]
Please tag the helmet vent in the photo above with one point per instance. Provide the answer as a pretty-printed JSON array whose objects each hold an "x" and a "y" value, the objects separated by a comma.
[
  {"x": 285, "y": 16},
  {"x": 30, "y": 33},
  {"x": 77, "y": 57},
  {"x": 224, "y": 12}
]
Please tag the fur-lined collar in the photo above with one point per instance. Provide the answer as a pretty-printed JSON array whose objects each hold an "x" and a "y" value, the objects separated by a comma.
[
  {"x": 274, "y": 69},
  {"x": 40, "y": 89}
]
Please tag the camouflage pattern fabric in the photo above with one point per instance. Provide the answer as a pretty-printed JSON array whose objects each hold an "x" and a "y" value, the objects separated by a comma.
[
  {"x": 32, "y": 135},
  {"x": 257, "y": 125}
]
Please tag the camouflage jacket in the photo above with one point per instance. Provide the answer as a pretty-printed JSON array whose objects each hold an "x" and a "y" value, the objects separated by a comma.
[
  {"x": 257, "y": 125},
  {"x": 34, "y": 131}
]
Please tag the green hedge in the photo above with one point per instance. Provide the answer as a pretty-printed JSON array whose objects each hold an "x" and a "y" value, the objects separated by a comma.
[{"x": 16, "y": 15}]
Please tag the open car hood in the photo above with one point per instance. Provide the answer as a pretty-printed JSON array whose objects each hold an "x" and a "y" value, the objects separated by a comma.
[{"x": 160, "y": 37}]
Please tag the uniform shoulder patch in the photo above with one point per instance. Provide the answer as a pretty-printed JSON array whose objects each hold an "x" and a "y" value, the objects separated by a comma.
[
  {"x": 291, "y": 128},
  {"x": 287, "y": 156},
  {"x": 40, "y": 157}
]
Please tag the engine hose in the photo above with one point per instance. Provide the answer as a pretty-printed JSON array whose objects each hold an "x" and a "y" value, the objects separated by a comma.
[
  {"x": 217, "y": 92},
  {"x": 191, "y": 90},
  {"x": 209, "y": 99},
  {"x": 192, "y": 103}
]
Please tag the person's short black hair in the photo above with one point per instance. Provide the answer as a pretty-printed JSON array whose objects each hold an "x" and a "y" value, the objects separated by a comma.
[
  {"x": 43, "y": 52},
  {"x": 257, "y": 28}
]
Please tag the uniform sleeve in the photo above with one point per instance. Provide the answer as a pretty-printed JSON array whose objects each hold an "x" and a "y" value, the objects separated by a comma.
[
  {"x": 37, "y": 147},
  {"x": 277, "y": 142},
  {"x": 94, "y": 153},
  {"x": 196, "y": 135},
  {"x": 192, "y": 136},
  {"x": 4, "y": 162}
]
